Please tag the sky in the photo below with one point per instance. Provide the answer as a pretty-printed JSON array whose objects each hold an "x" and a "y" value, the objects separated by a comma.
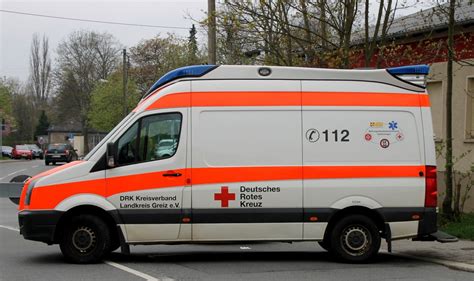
[{"x": 16, "y": 30}]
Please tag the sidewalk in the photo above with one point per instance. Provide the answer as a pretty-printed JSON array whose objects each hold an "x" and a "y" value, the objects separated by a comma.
[{"x": 458, "y": 255}]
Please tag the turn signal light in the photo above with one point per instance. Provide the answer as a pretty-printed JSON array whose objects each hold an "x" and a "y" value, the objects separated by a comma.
[{"x": 431, "y": 187}]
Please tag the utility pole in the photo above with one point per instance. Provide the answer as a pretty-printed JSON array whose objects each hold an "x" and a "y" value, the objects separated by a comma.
[
  {"x": 125, "y": 82},
  {"x": 211, "y": 34}
]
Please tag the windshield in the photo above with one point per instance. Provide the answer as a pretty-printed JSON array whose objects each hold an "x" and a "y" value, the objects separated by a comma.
[
  {"x": 107, "y": 137},
  {"x": 22, "y": 147},
  {"x": 57, "y": 147}
]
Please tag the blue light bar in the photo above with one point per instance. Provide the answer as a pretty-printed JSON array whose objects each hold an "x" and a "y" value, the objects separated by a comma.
[
  {"x": 410, "y": 69},
  {"x": 186, "y": 71}
]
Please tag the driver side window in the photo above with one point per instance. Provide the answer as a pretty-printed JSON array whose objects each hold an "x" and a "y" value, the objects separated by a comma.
[
  {"x": 153, "y": 137},
  {"x": 127, "y": 146}
]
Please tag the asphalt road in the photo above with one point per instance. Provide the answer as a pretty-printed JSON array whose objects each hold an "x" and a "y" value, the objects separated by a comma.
[
  {"x": 12, "y": 168},
  {"x": 27, "y": 260}
]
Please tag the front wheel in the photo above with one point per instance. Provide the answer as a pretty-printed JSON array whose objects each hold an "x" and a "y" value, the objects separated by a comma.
[
  {"x": 86, "y": 239},
  {"x": 355, "y": 238}
]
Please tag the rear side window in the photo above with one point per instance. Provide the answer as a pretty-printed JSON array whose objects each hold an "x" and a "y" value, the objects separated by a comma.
[
  {"x": 58, "y": 147},
  {"x": 151, "y": 138}
]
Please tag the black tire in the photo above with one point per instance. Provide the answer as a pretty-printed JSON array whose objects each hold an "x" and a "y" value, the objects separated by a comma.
[
  {"x": 46, "y": 163},
  {"x": 114, "y": 245},
  {"x": 20, "y": 178},
  {"x": 86, "y": 239},
  {"x": 355, "y": 239}
]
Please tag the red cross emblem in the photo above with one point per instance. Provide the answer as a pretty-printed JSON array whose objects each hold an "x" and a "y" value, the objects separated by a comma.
[{"x": 224, "y": 196}]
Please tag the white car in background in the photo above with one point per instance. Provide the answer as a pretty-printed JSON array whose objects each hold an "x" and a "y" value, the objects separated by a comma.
[{"x": 165, "y": 148}]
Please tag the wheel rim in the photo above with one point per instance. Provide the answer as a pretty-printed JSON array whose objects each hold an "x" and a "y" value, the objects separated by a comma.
[
  {"x": 356, "y": 240},
  {"x": 84, "y": 239}
]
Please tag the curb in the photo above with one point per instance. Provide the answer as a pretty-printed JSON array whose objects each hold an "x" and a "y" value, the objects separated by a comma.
[{"x": 450, "y": 264}]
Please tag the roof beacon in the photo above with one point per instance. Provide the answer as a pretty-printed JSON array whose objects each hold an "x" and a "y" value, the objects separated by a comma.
[
  {"x": 187, "y": 71},
  {"x": 415, "y": 74}
]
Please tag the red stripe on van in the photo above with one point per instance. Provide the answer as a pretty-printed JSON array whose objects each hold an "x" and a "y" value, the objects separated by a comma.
[
  {"x": 203, "y": 99},
  {"x": 47, "y": 197}
]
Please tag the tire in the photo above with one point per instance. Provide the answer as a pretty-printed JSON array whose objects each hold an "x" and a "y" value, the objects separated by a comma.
[
  {"x": 46, "y": 163},
  {"x": 114, "y": 245},
  {"x": 86, "y": 239},
  {"x": 20, "y": 178},
  {"x": 355, "y": 239}
]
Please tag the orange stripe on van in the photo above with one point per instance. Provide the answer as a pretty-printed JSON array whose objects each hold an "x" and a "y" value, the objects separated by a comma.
[
  {"x": 203, "y": 99},
  {"x": 47, "y": 197}
]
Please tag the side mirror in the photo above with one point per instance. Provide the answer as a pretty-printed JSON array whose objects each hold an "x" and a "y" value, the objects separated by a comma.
[{"x": 111, "y": 155}]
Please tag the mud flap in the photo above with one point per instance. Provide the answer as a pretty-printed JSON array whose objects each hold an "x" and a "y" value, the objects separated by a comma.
[{"x": 388, "y": 237}]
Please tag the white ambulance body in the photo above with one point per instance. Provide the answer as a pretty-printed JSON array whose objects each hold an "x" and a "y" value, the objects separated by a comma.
[{"x": 251, "y": 153}]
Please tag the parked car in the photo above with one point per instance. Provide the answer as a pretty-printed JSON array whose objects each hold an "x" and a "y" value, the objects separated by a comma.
[
  {"x": 60, "y": 152},
  {"x": 7, "y": 151},
  {"x": 165, "y": 148},
  {"x": 22, "y": 151},
  {"x": 37, "y": 152}
]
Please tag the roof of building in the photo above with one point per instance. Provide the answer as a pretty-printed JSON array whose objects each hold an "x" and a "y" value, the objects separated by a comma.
[{"x": 431, "y": 19}]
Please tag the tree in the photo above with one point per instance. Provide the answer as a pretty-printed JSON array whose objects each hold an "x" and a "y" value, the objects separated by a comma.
[
  {"x": 6, "y": 97},
  {"x": 192, "y": 46},
  {"x": 154, "y": 57},
  {"x": 448, "y": 199},
  {"x": 84, "y": 58},
  {"x": 40, "y": 71},
  {"x": 43, "y": 125},
  {"x": 107, "y": 102}
]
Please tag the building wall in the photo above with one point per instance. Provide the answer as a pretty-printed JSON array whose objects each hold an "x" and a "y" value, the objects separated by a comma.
[{"x": 463, "y": 117}]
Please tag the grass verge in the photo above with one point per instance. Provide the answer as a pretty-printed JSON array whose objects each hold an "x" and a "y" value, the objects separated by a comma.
[{"x": 463, "y": 229}]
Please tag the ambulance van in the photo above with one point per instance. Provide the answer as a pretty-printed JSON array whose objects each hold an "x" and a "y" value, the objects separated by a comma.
[{"x": 215, "y": 154}]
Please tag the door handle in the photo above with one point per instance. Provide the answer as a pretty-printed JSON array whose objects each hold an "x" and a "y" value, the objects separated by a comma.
[{"x": 171, "y": 174}]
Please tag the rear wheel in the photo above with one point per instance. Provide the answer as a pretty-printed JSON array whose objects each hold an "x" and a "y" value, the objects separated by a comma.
[
  {"x": 355, "y": 238},
  {"x": 86, "y": 239}
]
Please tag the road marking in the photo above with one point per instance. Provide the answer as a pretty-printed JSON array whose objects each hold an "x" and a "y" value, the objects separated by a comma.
[
  {"x": 136, "y": 272},
  {"x": 245, "y": 248},
  {"x": 16, "y": 172},
  {"x": 10, "y": 228}
]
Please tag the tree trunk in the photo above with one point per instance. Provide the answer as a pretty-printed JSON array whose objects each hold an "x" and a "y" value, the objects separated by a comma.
[{"x": 448, "y": 199}]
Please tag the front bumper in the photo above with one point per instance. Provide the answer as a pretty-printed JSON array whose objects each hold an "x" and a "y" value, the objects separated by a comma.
[{"x": 39, "y": 225}]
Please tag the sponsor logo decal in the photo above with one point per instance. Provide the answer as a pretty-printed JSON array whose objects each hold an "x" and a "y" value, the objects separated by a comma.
[{"x": 384, "y": 134}]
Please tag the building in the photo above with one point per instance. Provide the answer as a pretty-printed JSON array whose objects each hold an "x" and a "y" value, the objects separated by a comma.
[{"x": 72, "y": 132}]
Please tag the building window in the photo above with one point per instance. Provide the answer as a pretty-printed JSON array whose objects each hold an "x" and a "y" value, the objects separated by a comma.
[
  {"x": 435, "y": 91},
  {"x": 470, "y": 108}
]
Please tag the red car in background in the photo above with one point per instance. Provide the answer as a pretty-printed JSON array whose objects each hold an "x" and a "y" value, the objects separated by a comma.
[{"x": 22, "y": 151}]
